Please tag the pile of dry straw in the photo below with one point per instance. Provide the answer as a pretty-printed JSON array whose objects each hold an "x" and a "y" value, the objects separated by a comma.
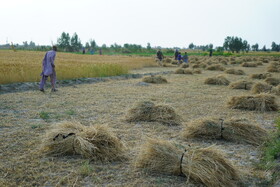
[
  {"x": 148, "y": 111},
  {"x": 261, "y": 102},
  {"x": 247, "y": 85},
  {"x": 73, "y": 138},
  {"x": 235, "y": 71},
  {"x": 206, "y": 166},
  {"x": 155, "y": 79},
  {"x": 218, "y": 80},
  {"x": 183, "y": 71},
  {"x": 236, "y": 130}
]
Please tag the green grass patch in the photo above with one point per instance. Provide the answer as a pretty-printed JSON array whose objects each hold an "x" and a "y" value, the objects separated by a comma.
[
  {"x": 70, "y": 112},
  {"x": 86, "y": 169},
  {"x": 270, "y": 159},
  {"x": 36, "y": 126},
  {"x": 44, "y": 115}
]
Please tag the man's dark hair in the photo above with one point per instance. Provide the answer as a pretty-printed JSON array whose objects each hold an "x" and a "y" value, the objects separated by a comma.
[{"x": 54, "y": 48}]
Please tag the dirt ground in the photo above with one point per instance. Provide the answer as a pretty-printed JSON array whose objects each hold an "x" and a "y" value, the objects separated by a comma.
[{"x": 22, "y": 126}]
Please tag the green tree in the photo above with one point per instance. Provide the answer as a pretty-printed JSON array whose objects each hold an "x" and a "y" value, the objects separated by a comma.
[
  {"x": 63, "y": 42},
  {"x": 76, "y": 44},
  {"x": 191, "y": 46},
  {"x": 275, "y": 47},
  {"x": 93, "y": 44},
  {"x": 255, "y": 47},
  {"x": 234, "y": 44}
]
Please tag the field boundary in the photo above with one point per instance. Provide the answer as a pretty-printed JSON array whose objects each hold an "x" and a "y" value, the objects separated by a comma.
[{"x": 26, "y": 86}]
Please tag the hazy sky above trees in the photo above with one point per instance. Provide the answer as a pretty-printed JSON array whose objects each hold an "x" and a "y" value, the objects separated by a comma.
[{"x": 165, "y": 23}]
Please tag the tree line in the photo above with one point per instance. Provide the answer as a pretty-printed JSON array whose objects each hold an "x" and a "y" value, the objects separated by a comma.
[
  {"x": 73, "y": 43},
  {"x": 236, "y": 44}
]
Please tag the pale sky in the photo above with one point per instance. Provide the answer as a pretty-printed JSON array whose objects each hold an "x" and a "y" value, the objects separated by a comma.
[{"x": 166, "y": 23}]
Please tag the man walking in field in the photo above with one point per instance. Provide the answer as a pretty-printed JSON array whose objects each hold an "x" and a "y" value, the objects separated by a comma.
[
  {"x": 160, "y": 57},
  {"x": 48, "y": 69}
]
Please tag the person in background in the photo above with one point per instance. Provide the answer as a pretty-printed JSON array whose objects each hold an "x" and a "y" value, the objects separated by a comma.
[
  {"x": 91, "y": 51},
  {"x": 84, "y": 50},
  {"x": 48, "y": 69},
  {"x": 160, "y": 56},
  {"x": 186, "y": 58},
  {"x": 210, "y": 52},
  {"x": 179, "y": 58},
  {"x": 176, "y": 54},
  {"x": 100, "y": 51}
]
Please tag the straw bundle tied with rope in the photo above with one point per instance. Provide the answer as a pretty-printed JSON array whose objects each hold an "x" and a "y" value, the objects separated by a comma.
[
  {"x": 155, "y": 79},
  {"x": 260, "y": 87},
  {"x": 148, "y": 111},
  {"x": 236, "y": 130},
  {"x": 206, "y": 166},
  {"x": 183, "y": 71},
  {"x": 249, "y": 64},
  {"x": 276, "y": 90},
  {"x": 218, "y": 80},
  {"x": 260, "y": 75},
  {"x": 272, "y": 81},
  {"x": 261, "y": 102},
  {"x": 247, "y": 85},
  {"x": 235, "y": 71},
  {"x": 93, "y": 142},
  {"x": 273, "y": 67},
  {"x": 216, "y": 67}
]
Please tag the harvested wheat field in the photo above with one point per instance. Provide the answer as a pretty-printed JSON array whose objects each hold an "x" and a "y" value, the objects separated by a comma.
[{"x": 27, "y": 117}]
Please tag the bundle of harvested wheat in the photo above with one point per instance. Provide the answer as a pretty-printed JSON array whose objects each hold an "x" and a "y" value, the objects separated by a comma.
[
  {"x": 276, "y": 90},
  {"x": 179, "y": 71},
  {"x": 184, "y": 65},
  {"x": 148, "y": 111},
  {"x": 260, "y": 75},
  {"x": 260, "y": 87},
  {"x": 273, "y": 67},
  {"x": 197, "y": 71},
  {"x": 272, "y": 81},
  {"x": 93, "y": 142},
  {"x": 236, "y": 130},
  {"x": 235, "y": 71},
  {"x": 247, "y": 85},
  {"x": 188, "y": 71},
  {"x": 261, "y": 102},
  {"x": 167, "y": 60},
  {"x": 207, "y": 166},
  {"x": 249, "y": 64},
  {"x": 155, "y": 79},
  {"x": 216, "y": 67},
  {"x": 218, "y": 80}
]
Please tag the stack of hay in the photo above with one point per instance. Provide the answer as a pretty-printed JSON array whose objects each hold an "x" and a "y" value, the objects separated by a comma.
[
  {"x": 93, "y": 142},
  {"x": 183, "y": 71},
  {"x": 236, "y": 130},
  {"x": 249, "y": 64},
  {"x": 260, "y": 76},
  {"x": 206, "y": 166},
  {"x": 273, "y": 67},
  {"x": 216, "y": 67},
  {"x": 247, "y": 85},
  {"x": 218, "y": 80},
  {"x": 149, "y": 112},
  {"x": 260, "y": 87},
  {"x": 155, "y": 79},
  {"x": 272, "y": 81},
  {"x": 185, "y": 65},
  {"x": 235, "y": 71},
  {"x": 260, "y": 102}
]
